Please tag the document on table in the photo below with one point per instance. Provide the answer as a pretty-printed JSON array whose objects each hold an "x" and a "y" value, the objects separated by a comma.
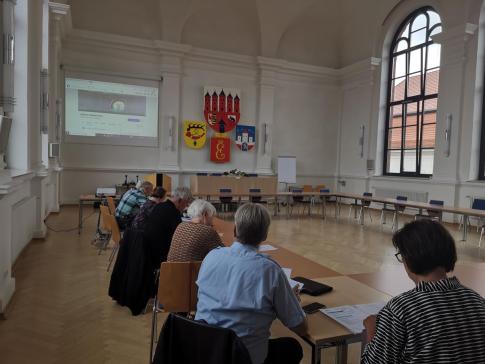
[
  {"x": 266, "y": 248},
  {"x": 292, "y": 282},
  {"x": 352, "y": 317}
]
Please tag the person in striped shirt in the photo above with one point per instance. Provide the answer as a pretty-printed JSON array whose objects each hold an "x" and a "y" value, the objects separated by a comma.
[{"x": 439, "y": 321}]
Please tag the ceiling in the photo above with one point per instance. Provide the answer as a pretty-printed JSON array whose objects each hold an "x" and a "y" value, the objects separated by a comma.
[{"x": 331, "y": 33}]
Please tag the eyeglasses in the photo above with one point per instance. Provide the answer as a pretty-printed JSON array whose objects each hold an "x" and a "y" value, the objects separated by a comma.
[{"x": 398, "y": 256}]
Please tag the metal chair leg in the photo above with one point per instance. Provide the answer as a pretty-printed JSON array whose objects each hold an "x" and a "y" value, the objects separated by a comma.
[
  {"x": 481, "y": 236},
  {"x": 370, "y": 214},
  {"x": 112, "y": 256},
  {"x": 350, "y": 210},
  {"x": 393, "y": 220}
]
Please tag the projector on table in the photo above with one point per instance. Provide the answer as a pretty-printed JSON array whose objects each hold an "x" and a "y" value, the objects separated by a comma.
[{"x": 105, "y": 191}]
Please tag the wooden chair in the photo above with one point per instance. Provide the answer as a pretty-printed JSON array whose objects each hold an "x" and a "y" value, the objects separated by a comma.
[
  {"x": 177, "y": 291},
  {"x": 111, "y": 204},
  {"x": 115, "y": 237}
]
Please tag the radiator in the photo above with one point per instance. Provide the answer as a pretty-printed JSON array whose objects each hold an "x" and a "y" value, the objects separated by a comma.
[{"x": 392, "y": 193}]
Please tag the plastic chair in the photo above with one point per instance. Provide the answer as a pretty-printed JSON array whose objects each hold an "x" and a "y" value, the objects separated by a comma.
[
  {"x": 360, "y": 204},
  {"x": 365, "y": 205},
  {"x": 225, "y": 199},
  {"x": 430, "y": 213},
  {"x": 298, "y": 200},
  {"x": 397, "y": 209}
]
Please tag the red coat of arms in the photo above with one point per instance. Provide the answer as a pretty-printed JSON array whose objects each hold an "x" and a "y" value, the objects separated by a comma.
[
  {"x": 221, "y": 108},
  {"x": 220, "y": 150}
]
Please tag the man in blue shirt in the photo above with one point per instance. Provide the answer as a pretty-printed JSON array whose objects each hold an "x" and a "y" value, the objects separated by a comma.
[
  {"x": 131, "y": 202},
  {"x": 245, "y": 291}
]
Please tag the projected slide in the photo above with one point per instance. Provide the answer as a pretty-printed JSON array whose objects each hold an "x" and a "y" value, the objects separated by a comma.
[{"x": 107, "y": 112}]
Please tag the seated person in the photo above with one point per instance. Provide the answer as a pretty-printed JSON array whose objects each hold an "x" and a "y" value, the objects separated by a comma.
[
  {"x": 195, "y": 238},
  {"x": 157, "y": 197},
  {"x": 162, "y": 222},
  {"x": 245, "y": 291},
  {"x": 439, "y": 321},
  {"x": 131, "y": 202}
]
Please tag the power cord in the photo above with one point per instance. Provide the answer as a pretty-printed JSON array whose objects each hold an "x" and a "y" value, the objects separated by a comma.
[{"x": 68, "y": 229}]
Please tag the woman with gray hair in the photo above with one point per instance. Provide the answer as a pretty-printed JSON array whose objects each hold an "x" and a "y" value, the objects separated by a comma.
[
  {"x": 243, "y": 290},
  {"x": 193, "y": 239}
]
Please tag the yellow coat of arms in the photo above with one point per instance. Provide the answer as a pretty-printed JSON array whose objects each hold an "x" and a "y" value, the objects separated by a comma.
[{"x": 195, "y": 133}]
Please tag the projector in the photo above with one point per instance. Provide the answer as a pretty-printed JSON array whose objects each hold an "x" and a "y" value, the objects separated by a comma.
[{"x": 105, "y": 191}]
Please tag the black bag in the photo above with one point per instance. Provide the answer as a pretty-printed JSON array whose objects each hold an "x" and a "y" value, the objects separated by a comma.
[{"x": 311, "y": 287}]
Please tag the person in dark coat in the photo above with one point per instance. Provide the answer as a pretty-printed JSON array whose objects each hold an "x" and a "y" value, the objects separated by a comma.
[{"x": 162, "y": 222}]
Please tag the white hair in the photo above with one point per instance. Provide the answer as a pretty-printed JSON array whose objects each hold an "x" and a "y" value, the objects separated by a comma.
[
  {"x": 200, "y": 208},
  {"x": 182, "y": 193},
  {"x": 252, "y": 222}
]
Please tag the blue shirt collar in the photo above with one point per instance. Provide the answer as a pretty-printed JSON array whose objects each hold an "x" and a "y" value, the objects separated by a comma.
[{"x": 240, "y": 247}]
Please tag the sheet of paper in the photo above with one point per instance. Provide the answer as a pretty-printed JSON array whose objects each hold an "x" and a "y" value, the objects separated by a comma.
[
  {"x": 352, "y": 317},
  {"x": 266, "y": 248},
  {"x": 292, "y": 282}
]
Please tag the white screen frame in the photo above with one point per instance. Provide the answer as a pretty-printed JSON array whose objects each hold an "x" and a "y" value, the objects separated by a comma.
[{"x": 111, "y": 140}]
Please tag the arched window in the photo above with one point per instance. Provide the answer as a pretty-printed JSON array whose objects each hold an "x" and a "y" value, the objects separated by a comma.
[{"x": 413, "y": 96}]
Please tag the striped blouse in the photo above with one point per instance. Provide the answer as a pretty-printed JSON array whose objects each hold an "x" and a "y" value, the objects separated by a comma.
[{"x": 437, "y": 322}]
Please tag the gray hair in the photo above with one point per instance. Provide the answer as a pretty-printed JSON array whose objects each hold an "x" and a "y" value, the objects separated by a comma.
[
  {"x": 182, "y": 193},
  {"x": 200, "y": 208},
  {"x": 252, "y": 222},
  {"x": 146, "y": 185}
]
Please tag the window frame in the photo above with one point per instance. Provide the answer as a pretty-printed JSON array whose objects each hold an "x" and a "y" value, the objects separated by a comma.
[{"x": 419, "y": 100}]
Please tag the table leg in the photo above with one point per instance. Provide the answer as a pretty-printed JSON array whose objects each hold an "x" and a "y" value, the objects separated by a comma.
[
  {"x": 341, "y": 357},
  {"x": 337, "y": 206},
  {"x": 324, "y": 207},
  {"x": 315, "y": 354},
  {"x": 465, "y": 228},
  {"x": 80, "y": 225},
  {"x": 362, "y": 213},
  {"x": 288, "y": 207}
]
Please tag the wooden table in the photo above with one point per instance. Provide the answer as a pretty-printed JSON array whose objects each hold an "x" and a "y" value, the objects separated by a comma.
[
  {"x": 89, "y": 199},
  {"x": 394, "y": 280},
  {"x": 465, "y": 212},
  {"x": 323, "y": 332}
]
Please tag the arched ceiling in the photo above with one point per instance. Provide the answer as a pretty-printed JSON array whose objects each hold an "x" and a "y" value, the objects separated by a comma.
[{"x": 331, "y": 33}]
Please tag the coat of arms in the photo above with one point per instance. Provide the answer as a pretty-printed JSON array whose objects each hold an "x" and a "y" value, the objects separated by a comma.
[
  {"x": 221, "y": 108},
  {"x": 245, "y": 137},
  {"x": 220, "y": 149},
  {"x": 195, "y": 133}
]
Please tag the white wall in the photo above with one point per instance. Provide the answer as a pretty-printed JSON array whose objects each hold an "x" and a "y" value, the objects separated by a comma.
[
  {"x": 459, "y": 96},
  {"x": 286, "y": 96}
]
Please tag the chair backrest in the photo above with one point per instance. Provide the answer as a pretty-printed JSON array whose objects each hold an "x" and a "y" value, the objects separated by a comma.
[
  {"x": 113, "y": 227},
  {"x": 307, "y": 188},
  {"x": 478, "y": 204},
  {"x": 254, "y": 197},
  {"x": 183, "y": 340},
  {"x": 317, "y": 188},
  {"x": 111, "y": 205},
  {"x": 399, "y": 207},
  {"x": 366, "y": 194},
  {"x": 216, "y": 174},
  {"x": 435, "y": 213},
  {"x": 202, "y": 173},
  {"x": 324, "y": 190},
  {"x": 223, "y": 192},
  {"x": 104, "y": 223},
  {"x": 177, "y": 291}
]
